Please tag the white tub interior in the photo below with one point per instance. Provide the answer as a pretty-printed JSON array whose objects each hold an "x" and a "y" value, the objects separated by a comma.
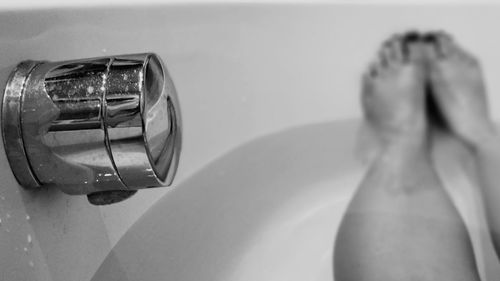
[
  {"x": 265, "y": 211},
  {"x": 269, "y": 97},
  {"x": 270, "y": 210}
]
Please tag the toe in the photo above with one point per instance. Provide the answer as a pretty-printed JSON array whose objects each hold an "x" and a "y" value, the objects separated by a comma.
[
  {"x": 411, "y": 46},
  {"x": 367, "y": 85},
  {"x": 449, "y": 48},
  {"x": 374, "y": 69},
  {"x": 445, "y": 45},
  {"x": 430, "y": 46},
  {"x": 394, "y": 47},
  {"x": 384, "y": 55},
  {"x": 390, "y": 54},
  {"x": 465, "y": 56}
]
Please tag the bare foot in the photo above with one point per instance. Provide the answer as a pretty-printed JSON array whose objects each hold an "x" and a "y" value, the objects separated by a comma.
[
  {"x": 393, "y": 95},
  {"x": 457, "y": 84}
]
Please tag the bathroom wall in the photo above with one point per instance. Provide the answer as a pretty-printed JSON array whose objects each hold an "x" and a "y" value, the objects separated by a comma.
[{"x": 241, "y": 71}]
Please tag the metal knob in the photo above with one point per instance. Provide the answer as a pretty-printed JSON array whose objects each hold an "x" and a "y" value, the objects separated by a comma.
[{"x": 93, "y": 125}]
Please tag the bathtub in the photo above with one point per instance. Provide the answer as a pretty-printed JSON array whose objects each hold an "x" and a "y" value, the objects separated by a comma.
[{"x": 269, "y": 98}]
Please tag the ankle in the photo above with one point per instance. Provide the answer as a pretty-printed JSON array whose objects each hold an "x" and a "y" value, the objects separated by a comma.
[
  {"x": 413, "y": 135},
  {"x": 407, "y": 151},
  {"x": 410, "y": 143}
]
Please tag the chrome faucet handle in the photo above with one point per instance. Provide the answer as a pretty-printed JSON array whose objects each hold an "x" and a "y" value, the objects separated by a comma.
[{"x": 92, "y": 125}]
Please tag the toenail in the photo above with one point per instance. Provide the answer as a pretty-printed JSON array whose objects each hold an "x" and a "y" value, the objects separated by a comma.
[
  {"x": 429, "y": 38},
  {"x": 412, "y": 36}
]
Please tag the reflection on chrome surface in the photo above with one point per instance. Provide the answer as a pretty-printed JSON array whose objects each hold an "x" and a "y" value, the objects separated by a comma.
[{"x": 94, "y": 125}]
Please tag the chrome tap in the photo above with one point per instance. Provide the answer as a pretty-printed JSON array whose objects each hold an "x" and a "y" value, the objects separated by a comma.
[{"x": 104, "y": 127}]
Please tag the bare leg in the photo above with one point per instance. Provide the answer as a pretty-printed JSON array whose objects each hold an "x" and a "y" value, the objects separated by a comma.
[
  {"x": 401, "y": 225},
  {"x": 458, "y": 86}
]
